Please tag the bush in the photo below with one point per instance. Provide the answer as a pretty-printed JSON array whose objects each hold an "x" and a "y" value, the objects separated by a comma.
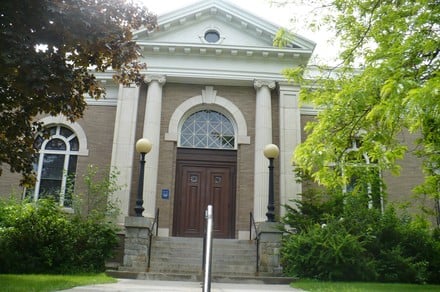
[
  {"x": 361, "y": 244},
  {"x": 406, "y": 249},
  {"x": 40, "y": 237},
  {"x": 327, "y": 252},
  {"x": 313, "y": 208},
  {"x": 33, "y": 237}
]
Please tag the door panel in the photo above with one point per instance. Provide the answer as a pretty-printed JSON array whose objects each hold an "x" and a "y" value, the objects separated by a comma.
[
  {"x": 200, "y": 183},
  {"x": 218, "y": 191}
]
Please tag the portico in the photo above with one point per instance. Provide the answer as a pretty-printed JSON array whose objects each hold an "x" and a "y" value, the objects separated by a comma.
[{"x": 211, "y": 66}]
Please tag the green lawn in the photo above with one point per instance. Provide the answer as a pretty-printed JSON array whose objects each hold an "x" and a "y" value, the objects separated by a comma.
[
  {"x": 318, "y": 286},
  {"x": 47, "y": 283}
]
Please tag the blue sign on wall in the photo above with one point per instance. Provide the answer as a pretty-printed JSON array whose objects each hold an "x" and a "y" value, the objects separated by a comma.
[{"x": 165, "y": 194}]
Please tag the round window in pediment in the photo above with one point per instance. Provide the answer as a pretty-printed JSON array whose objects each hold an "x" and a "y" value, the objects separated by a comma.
[{"x": 212, "y": 36}]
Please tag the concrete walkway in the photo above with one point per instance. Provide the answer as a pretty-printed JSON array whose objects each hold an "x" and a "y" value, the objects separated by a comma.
[{"x": 128, "y": 285}]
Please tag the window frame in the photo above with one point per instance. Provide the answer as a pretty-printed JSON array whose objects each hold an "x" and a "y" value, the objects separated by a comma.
[
  {"x": 212, "y": 32},
  {"x": 67, "y": 154},
  {"x": 355, "y": 147},
  {"x": 198, "y": 110}
]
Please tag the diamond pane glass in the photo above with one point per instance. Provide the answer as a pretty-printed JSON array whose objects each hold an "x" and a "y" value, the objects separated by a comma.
[{"x": 207, "y": 129}]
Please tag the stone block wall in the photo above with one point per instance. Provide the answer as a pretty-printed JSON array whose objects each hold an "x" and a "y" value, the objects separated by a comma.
[
  {"x": 136, "y": 244},
  {"x": 269, "y": 248}
]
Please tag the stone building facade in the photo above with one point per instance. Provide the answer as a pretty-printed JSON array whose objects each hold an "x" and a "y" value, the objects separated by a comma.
[{"x": 213, "y": 97}]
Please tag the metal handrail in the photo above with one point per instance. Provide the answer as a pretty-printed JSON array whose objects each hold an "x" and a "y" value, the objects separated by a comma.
[
  {"x": 257, "y": 239},
  {"x": 207, "y": 253},
  {"x": 154, "y": 226}
]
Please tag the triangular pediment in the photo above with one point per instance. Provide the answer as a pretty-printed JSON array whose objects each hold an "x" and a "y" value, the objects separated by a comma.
[
  {"x": 242, "y": 49},
  {"x": 234, "y": 26}
]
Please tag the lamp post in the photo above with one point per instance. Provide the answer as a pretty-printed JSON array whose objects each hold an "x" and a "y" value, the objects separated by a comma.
[
  {"x": 271, "y": 152},
  {"x": 143, "y": 146}
]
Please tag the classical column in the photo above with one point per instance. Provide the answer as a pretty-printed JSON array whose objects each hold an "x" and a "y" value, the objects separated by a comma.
[
  {"x": 123, "y": 145},
  {"x": 153, "y": 110},
  {"x": 290, "y": 137},
  {"x": 263, "y": 136}
]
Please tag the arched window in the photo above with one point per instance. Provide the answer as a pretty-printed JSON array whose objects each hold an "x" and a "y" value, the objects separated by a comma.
[
  {"x": 207, "y": 129},
  {"x": 55, "y": 164},
  {"x": 363, "y": 173}
]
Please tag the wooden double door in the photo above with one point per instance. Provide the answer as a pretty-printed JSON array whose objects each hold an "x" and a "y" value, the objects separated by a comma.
[{"x": 205, "y": 177}]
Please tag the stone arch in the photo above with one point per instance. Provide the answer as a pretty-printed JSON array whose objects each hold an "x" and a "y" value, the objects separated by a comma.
[
  {"x": 62, "y": 120},
  {"x": 208, "y": 99}
]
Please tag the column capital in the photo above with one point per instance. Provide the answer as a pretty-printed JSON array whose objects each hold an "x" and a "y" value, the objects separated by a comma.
[
  {"x": 260, "y": 83},
  {"x": 161, "y": 79}
]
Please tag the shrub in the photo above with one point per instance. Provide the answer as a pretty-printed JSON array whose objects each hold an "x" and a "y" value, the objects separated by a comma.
[
  {"x": 313, "y": 208},
  {"x": 34, "y": 237},
  {"x": 362, "y": 244},
  {"x": 40, "y": 237},
  {"x": 327, "y": 252},
  {"x": 91, "y": 252},
  {"x": 406, "y": 249}
]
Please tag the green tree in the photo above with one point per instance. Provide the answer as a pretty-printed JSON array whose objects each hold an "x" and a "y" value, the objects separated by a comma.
[
  {"x": 47, "y": 48},
  {"x": 396, "y": 90}
]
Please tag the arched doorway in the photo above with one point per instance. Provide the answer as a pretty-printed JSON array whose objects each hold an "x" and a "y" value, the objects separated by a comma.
[{"x": 205, "y": 175}]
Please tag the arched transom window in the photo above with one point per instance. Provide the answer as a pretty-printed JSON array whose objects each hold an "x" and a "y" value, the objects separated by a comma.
[
  {"x": 56, "y": 164},
  {"x": 207, "y": 129}
]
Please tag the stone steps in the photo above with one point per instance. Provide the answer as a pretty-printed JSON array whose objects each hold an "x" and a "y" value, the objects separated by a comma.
[
  {"x": 184, "y": 256},
  {"x": 262, "y": 279},
  {"x": 174, "y": 258}
]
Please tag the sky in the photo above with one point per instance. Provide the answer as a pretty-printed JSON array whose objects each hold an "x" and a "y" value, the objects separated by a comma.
[{"x": 326, "y": 49}]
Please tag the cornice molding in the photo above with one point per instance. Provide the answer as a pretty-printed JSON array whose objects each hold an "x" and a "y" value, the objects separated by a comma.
[{"x": 244, "y": 51}]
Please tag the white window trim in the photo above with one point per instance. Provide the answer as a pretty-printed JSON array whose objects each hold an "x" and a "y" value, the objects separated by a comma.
[
  {"x": 211, "y": 28},
  {"x": 61, "y": 121},
  {"x": 208, "y": 100},
  {"x": 66, "y": 153},
  {"x": 354, "y": 148},
  {"x": 75, "y": 127}
]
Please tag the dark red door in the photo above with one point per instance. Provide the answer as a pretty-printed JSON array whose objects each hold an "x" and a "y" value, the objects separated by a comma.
[{"x": 204, "y": 177}]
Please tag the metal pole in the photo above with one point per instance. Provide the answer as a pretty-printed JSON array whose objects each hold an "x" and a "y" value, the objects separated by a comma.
[
  {"x": 139, "y": 200},
  {"x": 271, "y": 205},
  {"x": 208, "y": 254}
]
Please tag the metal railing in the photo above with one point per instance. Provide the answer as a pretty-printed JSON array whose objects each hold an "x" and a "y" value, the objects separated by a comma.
[
  {"x": 154, "y": 226},
  {"x": 256, "y": 238},
  {"x": 207, "y": 250}
]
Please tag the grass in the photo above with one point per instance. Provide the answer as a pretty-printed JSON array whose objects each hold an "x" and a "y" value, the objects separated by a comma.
[
  {"x": 318, "y": 286},
  {"x": 47, "y": 283}
]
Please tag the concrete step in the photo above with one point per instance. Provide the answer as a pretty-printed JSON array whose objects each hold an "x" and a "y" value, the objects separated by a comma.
[
  {"x": 199, "y": 277},
  {"x": 184, "y": 255}
]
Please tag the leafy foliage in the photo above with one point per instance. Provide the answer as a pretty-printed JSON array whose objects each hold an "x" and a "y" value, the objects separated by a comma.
[
  {"x": 96, "y": 199},
  {"x": 396, "y": 90},
  {"x": 360, "y": 244},
  {"x": 312, "y": 208},
  {"x": 47, "y": 49},
  {"x": 42, "y": 238}
]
